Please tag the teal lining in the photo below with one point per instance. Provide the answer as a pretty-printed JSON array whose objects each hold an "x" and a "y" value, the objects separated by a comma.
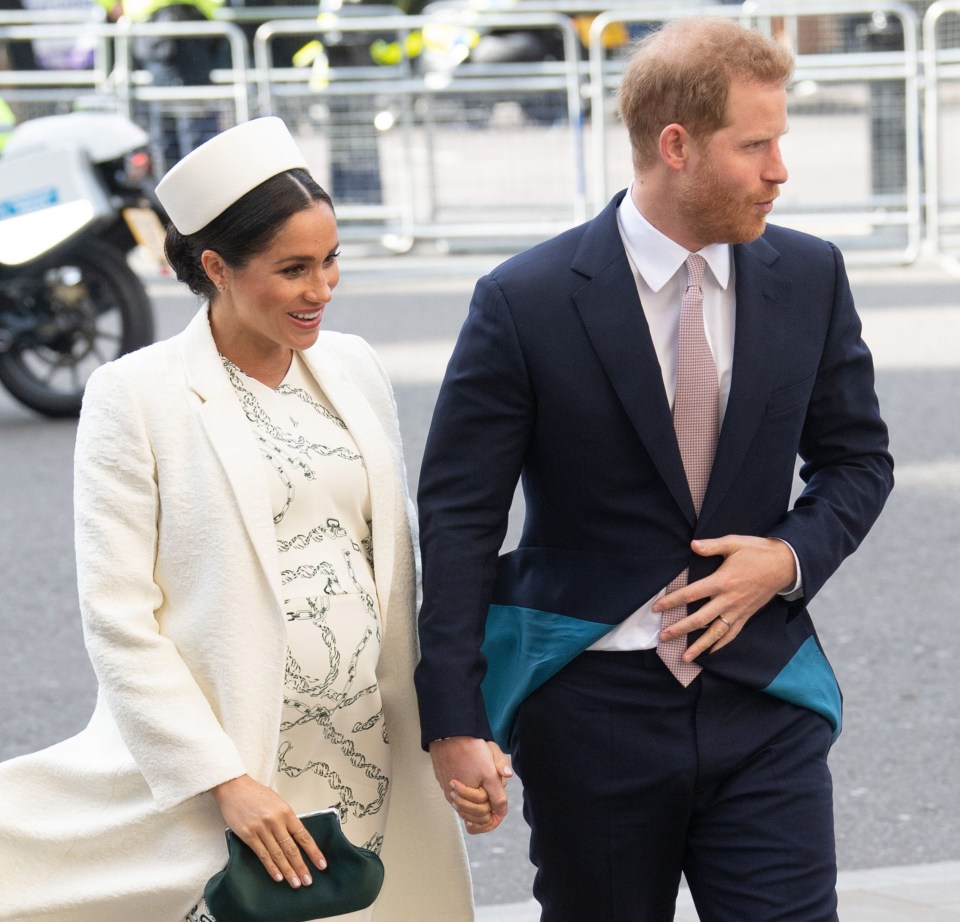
[
  {"x": 808, "y": 681},
  {"x": 525, "y": 647}
]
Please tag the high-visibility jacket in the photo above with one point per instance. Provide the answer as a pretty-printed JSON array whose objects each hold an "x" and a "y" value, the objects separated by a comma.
[
  {"x": 7, "y": 123},
  {"x": 142, "y": 10}
]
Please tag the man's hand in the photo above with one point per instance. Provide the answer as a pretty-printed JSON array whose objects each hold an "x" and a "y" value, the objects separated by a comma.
[
  {"x": 754, "y": 570},
  {"x": 473, "y": 775}
]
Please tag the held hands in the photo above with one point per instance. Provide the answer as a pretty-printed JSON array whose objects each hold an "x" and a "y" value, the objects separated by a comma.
[
  {"x": 473, "y": 774},
  {"x": 265, "y": 822},
  {"x": 753, "y": 571}
]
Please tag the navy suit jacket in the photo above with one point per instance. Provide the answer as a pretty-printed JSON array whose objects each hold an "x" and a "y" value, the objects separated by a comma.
[{"x": 554, "y": 380}]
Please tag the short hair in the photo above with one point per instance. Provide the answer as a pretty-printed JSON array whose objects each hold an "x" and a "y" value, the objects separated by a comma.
[
  {"x": 244, "y": 230},
  {"x": 682, "y": 73}
]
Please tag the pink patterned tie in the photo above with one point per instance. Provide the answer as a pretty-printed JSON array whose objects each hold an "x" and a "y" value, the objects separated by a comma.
[{"x": 696, "y": 422}]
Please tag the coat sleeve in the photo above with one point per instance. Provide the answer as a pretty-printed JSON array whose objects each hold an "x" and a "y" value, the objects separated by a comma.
[
  {"x": 846, "y": 465},
  {"x": 472, "y": 460},
  {"x": 164, "y": 718}
]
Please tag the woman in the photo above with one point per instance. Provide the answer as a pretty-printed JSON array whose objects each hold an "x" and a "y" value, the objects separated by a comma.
[{"x": 247, "y": 585}]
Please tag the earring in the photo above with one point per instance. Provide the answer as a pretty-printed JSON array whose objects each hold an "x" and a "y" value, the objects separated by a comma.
[{"x": 221, "y": 287}]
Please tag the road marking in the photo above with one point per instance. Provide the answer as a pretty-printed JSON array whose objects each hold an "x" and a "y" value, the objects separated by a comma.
[
  {"x": 913, "y": 337},
  {"x": 900, "y": 338},
  {"x": 416, "y": 361}
]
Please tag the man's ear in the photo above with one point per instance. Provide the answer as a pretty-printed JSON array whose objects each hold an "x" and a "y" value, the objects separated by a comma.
[{"x": 675, "y": 146}]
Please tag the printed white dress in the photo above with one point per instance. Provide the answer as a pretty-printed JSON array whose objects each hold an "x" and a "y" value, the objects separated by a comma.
[{"x": 333, "y": 742}]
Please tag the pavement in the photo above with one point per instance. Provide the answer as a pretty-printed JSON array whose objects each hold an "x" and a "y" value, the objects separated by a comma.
[{"x": 914, "y": 893}]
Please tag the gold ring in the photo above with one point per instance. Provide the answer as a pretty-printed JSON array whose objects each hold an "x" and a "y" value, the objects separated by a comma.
[{"x": 724, "y": 620}]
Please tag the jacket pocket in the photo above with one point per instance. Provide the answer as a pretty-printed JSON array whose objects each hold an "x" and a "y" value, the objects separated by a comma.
[{"x": 788, "y": 398}]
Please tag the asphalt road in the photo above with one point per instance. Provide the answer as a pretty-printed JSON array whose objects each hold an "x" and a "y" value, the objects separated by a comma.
[{"x": 888, "y": 619}]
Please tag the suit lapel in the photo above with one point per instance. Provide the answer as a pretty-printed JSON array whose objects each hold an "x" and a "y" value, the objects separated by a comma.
[
  {"x": 762, "y": 296},
  {"x": 229, "y": 432},
  {"x": 615, "y": 323}
]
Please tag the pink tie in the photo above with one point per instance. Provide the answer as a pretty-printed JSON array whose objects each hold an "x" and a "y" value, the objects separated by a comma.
[{"x": 696, "y": 422}]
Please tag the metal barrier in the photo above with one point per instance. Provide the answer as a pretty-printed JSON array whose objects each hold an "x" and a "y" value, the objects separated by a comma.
[
  {"x": 114, "y": 82},
  {"x": 941, "y": 56},
  {"x": 853, "y": 145},
  {"x": 38, "y": 91},
  {"x": 434, "y": 145},
  {"x": 164, "y": 109},
  {"x": 413, "y": 148}
]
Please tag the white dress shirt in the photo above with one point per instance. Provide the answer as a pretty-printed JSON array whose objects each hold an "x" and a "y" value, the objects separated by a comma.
[{"x": 658, "y": 269}]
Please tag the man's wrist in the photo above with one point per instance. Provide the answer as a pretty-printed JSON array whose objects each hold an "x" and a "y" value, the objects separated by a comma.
[
  {"x": 458, "y": 736},
  {"x": 794, "y": 589}
]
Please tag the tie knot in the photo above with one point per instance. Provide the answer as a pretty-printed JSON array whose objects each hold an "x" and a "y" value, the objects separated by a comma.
[{"x": 696, "y": 265}]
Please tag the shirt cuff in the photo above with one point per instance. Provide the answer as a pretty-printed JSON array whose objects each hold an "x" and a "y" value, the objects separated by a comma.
[{"x": 792, "y": 593}]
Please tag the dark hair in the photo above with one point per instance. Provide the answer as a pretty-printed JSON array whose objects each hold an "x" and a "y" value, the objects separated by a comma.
[{"x": 245, "y": 229}]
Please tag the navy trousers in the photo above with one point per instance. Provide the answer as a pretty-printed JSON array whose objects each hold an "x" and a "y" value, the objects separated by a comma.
[{"x": 630, "y": 779}]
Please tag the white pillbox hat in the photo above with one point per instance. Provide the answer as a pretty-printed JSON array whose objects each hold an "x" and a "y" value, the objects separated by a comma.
[{"x": 222, "y": 170}]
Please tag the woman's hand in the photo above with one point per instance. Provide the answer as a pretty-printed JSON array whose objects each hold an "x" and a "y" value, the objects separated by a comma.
[
  {"x": 265, "y": 822},
  {"x": 473, "y": 804}
]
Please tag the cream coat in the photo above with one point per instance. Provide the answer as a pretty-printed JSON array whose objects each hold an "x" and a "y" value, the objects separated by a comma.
[{"x": 180, "y": 597}]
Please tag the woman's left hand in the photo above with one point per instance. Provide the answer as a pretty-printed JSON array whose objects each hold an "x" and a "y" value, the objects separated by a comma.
[{"x": 265, "y": 822}]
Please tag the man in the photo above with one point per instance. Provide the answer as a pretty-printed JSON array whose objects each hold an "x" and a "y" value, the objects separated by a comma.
[{"x": 647, "y": 656}]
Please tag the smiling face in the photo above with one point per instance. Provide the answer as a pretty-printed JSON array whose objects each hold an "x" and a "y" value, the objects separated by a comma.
[
  {"x": 273, "y": 305},
  {"x": 734, "y": 174}
]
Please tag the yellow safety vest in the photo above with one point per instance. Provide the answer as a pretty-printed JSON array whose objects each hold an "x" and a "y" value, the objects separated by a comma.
[
  {"x": 8, "y": 122},
  {"x": 314, "y": 55},
  {"x": 142, "y": 10}
]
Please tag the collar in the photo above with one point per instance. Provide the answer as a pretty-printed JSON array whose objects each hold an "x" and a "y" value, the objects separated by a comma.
[{"x": 656, "y": 256}]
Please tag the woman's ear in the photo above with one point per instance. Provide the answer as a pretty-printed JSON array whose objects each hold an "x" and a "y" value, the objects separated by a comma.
[
  {"x": 215, "y": 268},
  {"x": 674, "y": 146}
]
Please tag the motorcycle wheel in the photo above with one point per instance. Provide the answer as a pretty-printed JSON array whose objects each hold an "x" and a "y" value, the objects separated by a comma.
[{"x": 83, "y": 310}]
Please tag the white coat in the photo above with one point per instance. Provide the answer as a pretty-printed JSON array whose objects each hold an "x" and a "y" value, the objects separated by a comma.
[{"x": 179, "y": 585}]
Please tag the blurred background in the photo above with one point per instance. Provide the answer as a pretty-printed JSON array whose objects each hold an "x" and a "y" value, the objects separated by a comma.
[{"x": 459, "y": 124}]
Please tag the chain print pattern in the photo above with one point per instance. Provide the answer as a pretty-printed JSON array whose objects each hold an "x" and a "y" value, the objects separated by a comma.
[
  {"x": 281, "y": 449},
  {"x": 334, "y": 745}
]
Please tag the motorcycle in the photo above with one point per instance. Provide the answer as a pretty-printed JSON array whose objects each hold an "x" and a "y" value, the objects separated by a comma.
[{"x": 76, "y": 198}]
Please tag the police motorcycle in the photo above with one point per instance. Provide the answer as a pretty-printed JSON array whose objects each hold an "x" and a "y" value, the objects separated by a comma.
[{"x": 76, "y": 198}]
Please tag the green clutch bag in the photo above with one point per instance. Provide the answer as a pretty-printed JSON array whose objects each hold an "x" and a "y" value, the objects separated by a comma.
[{"x": 244, "y": 892}]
